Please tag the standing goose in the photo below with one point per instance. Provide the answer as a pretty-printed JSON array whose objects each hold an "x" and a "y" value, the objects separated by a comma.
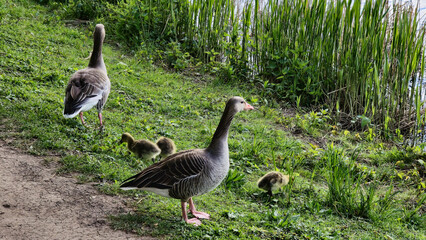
[
  {"x": 167, "y": 146},
  {"x": 144, "y": 149},
  {"x": 192, "y": 172},
  {"x": 90, "y": 86}
]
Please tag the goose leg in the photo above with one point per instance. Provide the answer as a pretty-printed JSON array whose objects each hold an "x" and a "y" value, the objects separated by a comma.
[
  {"x": 82, "y": 120},
  {"x": 194, "y": 221},
  {"x": 202, "y": 215},
  {"x": 100, "y": 118}
]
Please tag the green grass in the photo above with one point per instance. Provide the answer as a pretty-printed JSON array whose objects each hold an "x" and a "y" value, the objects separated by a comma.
[
  {"x": 361, "y": 58},
  {"x": 38, "y": 55}
]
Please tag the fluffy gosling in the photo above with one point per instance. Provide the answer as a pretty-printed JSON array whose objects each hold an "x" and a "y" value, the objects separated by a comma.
[
  {"x": 144, "y": 149},
  {"x": 167, "y": 146},
  {"x": 272, "y": 181}
]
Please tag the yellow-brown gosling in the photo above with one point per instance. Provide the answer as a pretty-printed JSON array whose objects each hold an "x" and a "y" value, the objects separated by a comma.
[
  {"x": 144, "y": 149},
  {"x": 272, "y": 181},
  {"x": 167, "y": 146}
]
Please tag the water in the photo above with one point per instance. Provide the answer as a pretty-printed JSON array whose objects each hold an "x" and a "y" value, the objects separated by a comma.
[
  {"x": 421, "y": 80},
  {"x": 422, "y": 6}
]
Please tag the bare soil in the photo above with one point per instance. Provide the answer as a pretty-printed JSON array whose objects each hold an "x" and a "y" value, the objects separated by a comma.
[{"x": 35, "y": 203}]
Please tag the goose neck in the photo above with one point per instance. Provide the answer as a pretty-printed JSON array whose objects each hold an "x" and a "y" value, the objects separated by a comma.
[
  {"x": 96, "y": 60},
  {"x": 219, "y": 141}
]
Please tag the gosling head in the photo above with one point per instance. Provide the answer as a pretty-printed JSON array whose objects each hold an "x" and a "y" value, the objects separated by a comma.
[
  {"x": 166, "y": 145},
  {"x": 272, "y": 181},
  {"x": 126, "y": 137}
]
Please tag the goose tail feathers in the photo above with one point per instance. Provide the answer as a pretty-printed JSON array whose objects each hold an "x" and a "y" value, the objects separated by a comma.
[
  {"x": 128, "y": 183},
  {"x": 71, "y": 111}
]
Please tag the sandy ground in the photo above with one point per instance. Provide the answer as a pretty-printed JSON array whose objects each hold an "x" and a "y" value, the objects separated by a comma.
[{"x": 35, "y": 203}]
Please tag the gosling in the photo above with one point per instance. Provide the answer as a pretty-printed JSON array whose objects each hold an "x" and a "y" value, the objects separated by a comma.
[
  {"x": 144, "y": 149},
  {"x": 167, "y": 146},
  {"x": 272, "y": 181}
]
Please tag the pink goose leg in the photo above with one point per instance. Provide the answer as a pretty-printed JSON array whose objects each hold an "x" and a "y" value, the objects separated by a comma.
[
  {"x": 100, "y": 118},
  {"x": 194, "y": 221},
  {"x": 194, "y": 212},
  {"x": 82, "y": 120}
]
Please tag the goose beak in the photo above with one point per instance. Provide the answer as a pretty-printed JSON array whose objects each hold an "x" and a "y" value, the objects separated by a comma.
[{"x": 248, "y": 107}]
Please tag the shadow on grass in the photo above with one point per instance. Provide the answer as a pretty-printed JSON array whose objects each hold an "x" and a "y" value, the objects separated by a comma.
[{"x": 149, "y": 224}]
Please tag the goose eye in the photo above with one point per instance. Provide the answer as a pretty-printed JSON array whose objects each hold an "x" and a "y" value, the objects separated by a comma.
[{"x": 242, "y": 102}]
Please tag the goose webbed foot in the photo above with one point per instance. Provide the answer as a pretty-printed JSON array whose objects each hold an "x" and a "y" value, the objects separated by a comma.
[
  {"x": 194, "y": 221},
  {"x": 201, "y": 215},
  {"x": 197, "y": 214}
]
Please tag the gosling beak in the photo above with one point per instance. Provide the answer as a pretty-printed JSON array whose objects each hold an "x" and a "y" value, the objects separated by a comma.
[{"x": 248, "y": 107}]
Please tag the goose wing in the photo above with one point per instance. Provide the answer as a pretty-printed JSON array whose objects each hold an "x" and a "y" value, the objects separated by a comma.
[
  {"x": 171, "y": 170},
  {"x": 86, "y": 87}
]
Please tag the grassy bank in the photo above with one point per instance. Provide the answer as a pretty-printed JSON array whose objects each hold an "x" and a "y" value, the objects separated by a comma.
[
  {"x": 358, "y": 59},
  {"x": 346, "y": 184}
]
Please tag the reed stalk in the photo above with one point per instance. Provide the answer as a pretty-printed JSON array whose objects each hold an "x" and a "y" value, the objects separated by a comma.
[{"x": 364, "y": 59}]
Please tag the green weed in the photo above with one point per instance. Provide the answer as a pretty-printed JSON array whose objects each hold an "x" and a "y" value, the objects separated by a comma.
[{"x": 38, "y": 55}]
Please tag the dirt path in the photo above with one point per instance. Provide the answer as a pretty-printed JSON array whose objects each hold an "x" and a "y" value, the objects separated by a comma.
[{"x": 37, "y": 204}]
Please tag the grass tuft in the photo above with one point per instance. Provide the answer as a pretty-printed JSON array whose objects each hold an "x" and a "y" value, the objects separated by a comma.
[{"x": 374, "y": 194}]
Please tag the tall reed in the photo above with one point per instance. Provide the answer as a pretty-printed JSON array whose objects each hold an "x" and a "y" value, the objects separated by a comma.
[{"x": 360, "y": 59}]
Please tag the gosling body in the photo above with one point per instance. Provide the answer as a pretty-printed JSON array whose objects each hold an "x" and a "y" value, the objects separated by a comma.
[
  {"x": 272, "y": 181},
  {"x": 143, "y": 149}
]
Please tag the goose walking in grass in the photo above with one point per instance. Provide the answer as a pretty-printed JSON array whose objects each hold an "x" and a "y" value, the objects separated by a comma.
[
  {"x": 272, "y": 181},
  {"x": 194, "y": 172},
  {"x": 144, "y": 149},
  {"x": 89, "y": 87},
  {"x": 167, "y": 146}
]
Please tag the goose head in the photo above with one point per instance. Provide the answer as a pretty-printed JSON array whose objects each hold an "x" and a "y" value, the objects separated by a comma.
[
  {"x": 100, "y": 30},
  {"x": 219, "y": 143},
  {"x": 237, "y": 104}
]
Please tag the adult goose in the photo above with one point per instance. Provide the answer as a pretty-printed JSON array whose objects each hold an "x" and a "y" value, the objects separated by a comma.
[
  {"x": 89, "y": 87},
  {"x": 194, "y": 172},
  {"x": 144, "y": 149},
  {"x": 167, "y": 146},
  {"x": 272, "y": 181}
]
